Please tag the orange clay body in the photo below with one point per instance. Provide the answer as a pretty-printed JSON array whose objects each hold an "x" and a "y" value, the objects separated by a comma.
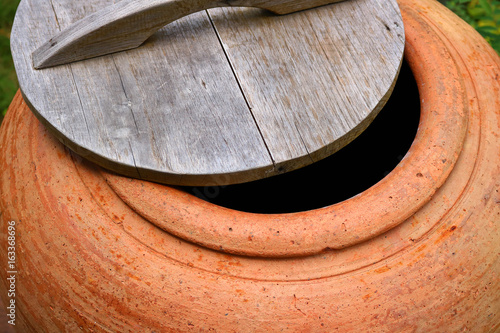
[{"x": 417, "y": 252}]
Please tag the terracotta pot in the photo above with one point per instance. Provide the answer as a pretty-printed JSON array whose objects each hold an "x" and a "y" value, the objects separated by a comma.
[{"x": 419, "y": 251}]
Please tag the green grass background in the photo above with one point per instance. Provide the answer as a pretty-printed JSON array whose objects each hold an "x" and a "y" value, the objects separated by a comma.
[
  {"x": 8, "y": 79},
  {"x": 483, "y": 15}
]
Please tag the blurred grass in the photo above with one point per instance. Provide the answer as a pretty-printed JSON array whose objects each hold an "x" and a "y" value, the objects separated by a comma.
[
  {"x": 8, "y": 79},
  {"x": 483, "y": 15}
]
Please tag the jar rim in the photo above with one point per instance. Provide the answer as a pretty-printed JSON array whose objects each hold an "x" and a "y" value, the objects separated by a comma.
[{"x": 424, "y": 169}]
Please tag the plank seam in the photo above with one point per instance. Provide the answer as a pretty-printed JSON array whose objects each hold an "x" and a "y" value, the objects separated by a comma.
[{"x": 240, "y": 86}]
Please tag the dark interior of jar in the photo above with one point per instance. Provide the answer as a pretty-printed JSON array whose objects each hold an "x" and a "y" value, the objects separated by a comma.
[{"x": 350, "y": 171}]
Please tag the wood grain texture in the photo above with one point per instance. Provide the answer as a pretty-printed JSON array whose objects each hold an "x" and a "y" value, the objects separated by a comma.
[
  {"x": 318, "y": 76},
  {"x": 218, "y": 97},
  {"x": 128, "y": 23}
]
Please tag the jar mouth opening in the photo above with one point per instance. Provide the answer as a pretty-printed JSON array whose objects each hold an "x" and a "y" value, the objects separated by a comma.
[
  {"x": 355, "y": 168},
  {"x": 411, "y": 184}
]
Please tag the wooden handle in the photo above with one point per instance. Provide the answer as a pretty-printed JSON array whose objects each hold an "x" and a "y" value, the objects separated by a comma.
[{"x": 128, "y": 23}]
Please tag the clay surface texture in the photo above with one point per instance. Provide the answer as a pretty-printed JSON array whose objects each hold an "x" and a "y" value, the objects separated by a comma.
[{"x": 417, "y": 252}]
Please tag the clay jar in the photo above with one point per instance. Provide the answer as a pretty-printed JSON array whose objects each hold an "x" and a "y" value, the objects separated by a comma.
[{"x": 417, "y": 252}]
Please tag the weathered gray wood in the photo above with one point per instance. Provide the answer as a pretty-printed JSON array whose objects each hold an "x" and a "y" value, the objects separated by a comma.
[
  {"x": 280, "y": 93},
  {"x": 324, "y": 76},
  {"x": 127, "y": 24}
]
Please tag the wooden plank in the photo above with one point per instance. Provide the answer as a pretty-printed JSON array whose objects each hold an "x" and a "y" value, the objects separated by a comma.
[
  {"x": 196, "y": 114},
  {"x": 157, "y": 113},
  {"x": 320, "y": 82},
  {"x": 106, "y": 119},
  {"x": 53, "y": 94}
]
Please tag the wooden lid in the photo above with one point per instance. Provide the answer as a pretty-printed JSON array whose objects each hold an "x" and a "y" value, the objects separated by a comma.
[{"x": 222, "y": 96}]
